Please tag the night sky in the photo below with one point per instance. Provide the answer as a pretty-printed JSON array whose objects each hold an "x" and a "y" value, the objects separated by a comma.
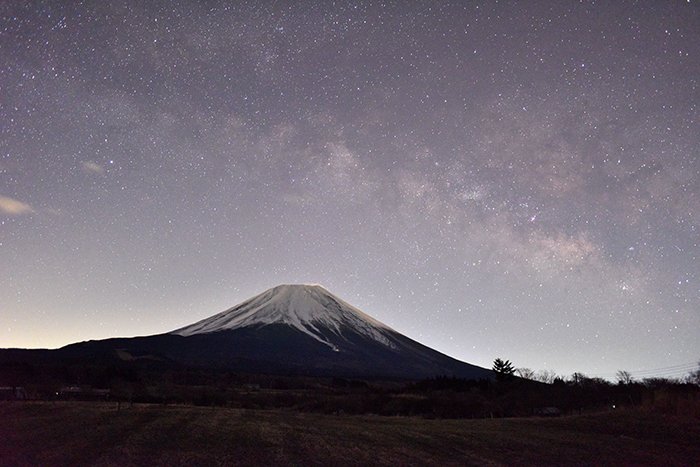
[{"x": 512, "y": 179}]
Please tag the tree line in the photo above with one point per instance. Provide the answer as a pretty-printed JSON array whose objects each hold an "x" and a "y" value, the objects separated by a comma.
[{"x": 504, "y": 369}]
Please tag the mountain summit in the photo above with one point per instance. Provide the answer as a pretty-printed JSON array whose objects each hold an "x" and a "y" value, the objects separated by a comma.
[{"x": 308, "y": 308}]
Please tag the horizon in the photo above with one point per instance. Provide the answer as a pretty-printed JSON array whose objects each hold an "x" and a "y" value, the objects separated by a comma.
[
  {"x": 490, "y": 180},
  {"x": 672, "y": 372}
]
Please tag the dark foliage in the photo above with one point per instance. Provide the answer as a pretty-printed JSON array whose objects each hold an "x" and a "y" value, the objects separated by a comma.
[
  {"x": 440, "y": 397},
  {"x": 503, "y": 369}
]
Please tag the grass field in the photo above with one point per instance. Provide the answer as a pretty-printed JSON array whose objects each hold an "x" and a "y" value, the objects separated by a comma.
[{"x": 73, "y": 433}]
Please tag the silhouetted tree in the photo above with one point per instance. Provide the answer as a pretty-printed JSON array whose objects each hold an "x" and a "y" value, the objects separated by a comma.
[
  {"x": 659, "y": 382},
  {"x": 578, "y": 379},
  {"x": 694, "y": 376},
  {"x": 503, "y": 368},
  {"x": 526, "y": 373},
  {"x": 624, "y": 377},
  {"x": 546, "y": 376}
]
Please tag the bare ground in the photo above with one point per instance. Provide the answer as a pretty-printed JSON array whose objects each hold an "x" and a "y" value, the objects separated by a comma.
[{"x": 73, "y": 433}]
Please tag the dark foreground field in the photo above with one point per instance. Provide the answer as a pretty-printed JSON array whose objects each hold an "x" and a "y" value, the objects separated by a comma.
[{"x": 72, "y": 433}]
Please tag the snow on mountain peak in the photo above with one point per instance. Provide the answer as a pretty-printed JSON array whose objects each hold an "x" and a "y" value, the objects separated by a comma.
[{"x": 306, "y": 307}]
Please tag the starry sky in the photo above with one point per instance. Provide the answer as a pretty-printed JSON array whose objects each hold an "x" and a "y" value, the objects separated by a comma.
[{"x": 493, "y": 179}]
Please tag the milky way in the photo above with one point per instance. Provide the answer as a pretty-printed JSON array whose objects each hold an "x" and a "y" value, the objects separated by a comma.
[{"x": 516, "y": 180}]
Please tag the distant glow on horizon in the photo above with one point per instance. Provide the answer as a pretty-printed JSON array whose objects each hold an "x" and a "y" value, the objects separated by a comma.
[{"x": 518, "y": 181}]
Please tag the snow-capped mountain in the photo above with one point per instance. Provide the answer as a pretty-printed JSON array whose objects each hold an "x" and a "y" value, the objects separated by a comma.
[
  {"x": 290, "y": 330},
  {"x": 311, "y": 309},
  {"x": 307, "y": 329}
]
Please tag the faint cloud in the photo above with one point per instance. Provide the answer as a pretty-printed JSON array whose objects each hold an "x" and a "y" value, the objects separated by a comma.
[
  {"x": 344, "y": 173},
  {"x": 412, "y": 186},
  {"x": 14, "y": 207},
  {"x": 553, "y": 255},
  {"x": 472, "y": 194},
  {"x": 561, "y": 248},
  {"x": 548, "y": 254},
  {"x": 53, "y": 211},
  {"x": 298, "y": 199},
  {"x": 93, "y": 167}
]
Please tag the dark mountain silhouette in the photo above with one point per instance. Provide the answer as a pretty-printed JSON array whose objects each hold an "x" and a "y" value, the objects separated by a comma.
[{"x": 289, "y": 329}]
